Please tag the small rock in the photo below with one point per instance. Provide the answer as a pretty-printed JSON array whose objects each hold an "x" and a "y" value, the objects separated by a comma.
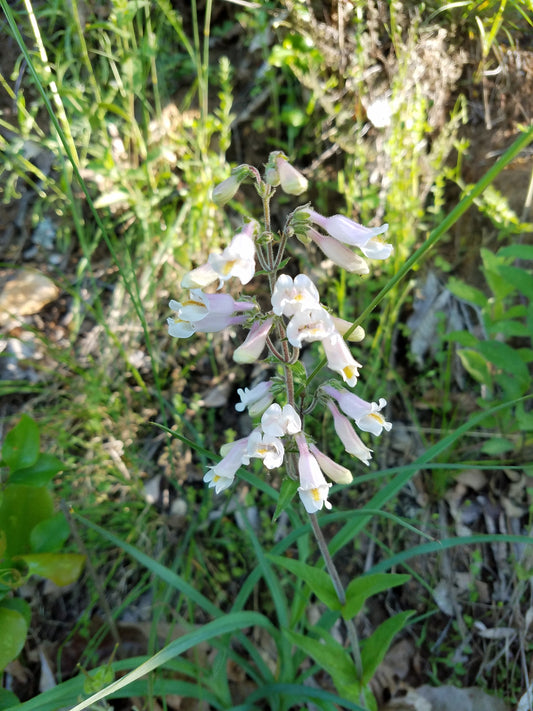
[{"x": 26, "y": 292}]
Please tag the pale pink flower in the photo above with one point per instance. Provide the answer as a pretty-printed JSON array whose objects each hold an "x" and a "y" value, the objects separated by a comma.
[
  {"x": 292, "y": 295},
  {"x": 256, "y": 399},
  {"x": 348, "y": 436},
  {"x": 212, "y": 323},
  {"x": 266, "y": 447},
  {"x": 221, "y": 475},
  {"x": 367, "y": 415},
  {"x": 376, "y": 248},
  {"x": 338, "y": 253},
  {"x": 200, "y": 277},
  {"x": 340, "y": 359},
  {"x": 313, "y": 489},
  {"x": 254, "y": 343},
  {"x": 199, "y": 304},
  {"x": 345, "y": 230},
  {"x": 309, "y": 325},
  {"x": 238, "y": 259},
  {"x": 277, "y": 421}
]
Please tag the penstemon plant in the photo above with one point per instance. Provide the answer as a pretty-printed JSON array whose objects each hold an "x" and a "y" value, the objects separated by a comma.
[{"x": 296, "y": 317}]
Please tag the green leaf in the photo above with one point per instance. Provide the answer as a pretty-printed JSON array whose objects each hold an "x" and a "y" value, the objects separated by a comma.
[
  {"x": 20, "y": 606},
  {"x": 333, "y": 658},
  {"x": 520, "y": 251},
  {"x": 377, "y": 645},
  {"x": 22, "y": 508},
  {"x": 288, "y": 489},
  {"x": 21, "y": 445},
  {"x": 476, "y": 365},
  {"x": 463, "y": 338},
  {"x": 60, "y": 568},
  {"x": 497, "y": 445},
  {"x": 508, "y": 328},
  {"x": 38, "y": 474},
  {"x": 519, "y": 278},
  {"x": 466, "y": 292},
  {"x": 360, "y": 589},
  {"x": 14, "y": 631},
  {"x": 7, "y": 699},
  {"x": 49, "y": 535},
  {"x": 505, "y": 358},
  {"x": 318, "y": 580},
  {"x": 500, "y": 287}
]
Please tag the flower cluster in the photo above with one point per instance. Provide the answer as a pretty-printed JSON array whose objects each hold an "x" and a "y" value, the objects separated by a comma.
[{"x": 296, "y": 317}]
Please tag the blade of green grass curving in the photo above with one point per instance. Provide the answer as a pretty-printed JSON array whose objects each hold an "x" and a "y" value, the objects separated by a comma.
[
  {"x": 444, "y": 544},
  {"x": 231, "y": 623}
]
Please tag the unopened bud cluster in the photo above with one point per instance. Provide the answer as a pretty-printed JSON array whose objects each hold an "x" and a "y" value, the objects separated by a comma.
[{"x": 296, "y": 317}]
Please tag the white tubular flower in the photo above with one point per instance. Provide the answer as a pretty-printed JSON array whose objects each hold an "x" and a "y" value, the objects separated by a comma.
[
  {"x": 179, "y": 327},
  {"x": 277, "y": 422},
  {"x": 256, "y": 399},
  {"x": 340, "y": 359},
  {"x": 365, "y": 414},
  {"x": 313, "y": 489},
  {"x": 221, "y": 475},
  {"x": 200, "y": 277},
  {"x": 348, "y": 436},
  {"x": 336, "y": 472},
  {"x": 338, "y": 253},
  {"x": 212, "y": 323},
  {"x": 376, "y": 248},
  {"x": 290, "y": 296},
  {"x": 346, "y": 230},
  {"x": 199, "y": 304},
  {"x": 266, "y": 447},
  {"x": 309, "y": 325},
  {"x": 254, "y": 343},
  {"x": 238, "y": 259},
  {"x": 342, "y": 326}
]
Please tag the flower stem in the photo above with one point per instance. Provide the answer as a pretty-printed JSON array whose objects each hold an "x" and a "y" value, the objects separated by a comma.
[{"x": 339, "y": 589}]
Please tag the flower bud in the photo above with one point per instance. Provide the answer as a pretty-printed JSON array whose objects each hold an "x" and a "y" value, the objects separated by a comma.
[
  {"x": 279, "y": 171},
  {"x": 251, "y": 349},
  {"x": 225, "y": 191}
]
